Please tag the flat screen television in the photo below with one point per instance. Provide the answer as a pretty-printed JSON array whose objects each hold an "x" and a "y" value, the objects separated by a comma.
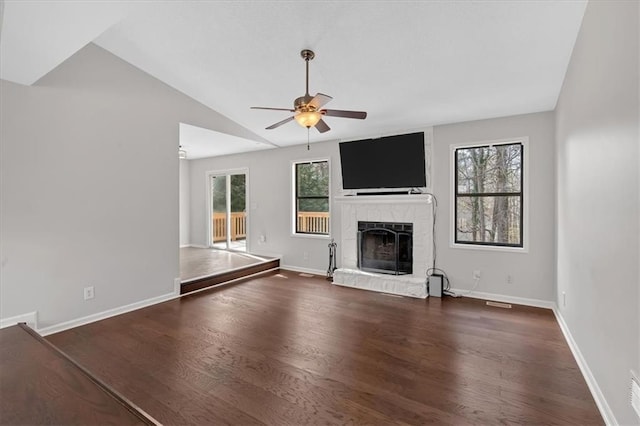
[{"x": 389, "y": 162}]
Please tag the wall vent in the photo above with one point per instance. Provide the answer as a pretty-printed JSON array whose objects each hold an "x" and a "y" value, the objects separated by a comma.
[{"x": 499, "y": 304}]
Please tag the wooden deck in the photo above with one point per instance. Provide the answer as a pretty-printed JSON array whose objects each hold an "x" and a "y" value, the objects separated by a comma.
[{"x": 287, "y": 349}]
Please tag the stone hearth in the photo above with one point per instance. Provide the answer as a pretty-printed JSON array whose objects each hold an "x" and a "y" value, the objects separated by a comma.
[{"x": 415, "y": 209}]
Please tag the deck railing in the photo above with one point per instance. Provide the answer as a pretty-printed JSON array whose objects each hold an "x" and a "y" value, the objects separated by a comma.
[
  {"x": 238, "y": 226},
  {"x": 313, "y": 222}
]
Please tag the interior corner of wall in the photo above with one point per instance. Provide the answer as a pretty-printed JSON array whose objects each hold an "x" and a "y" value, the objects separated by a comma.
[{"x": 30, "y": 318}]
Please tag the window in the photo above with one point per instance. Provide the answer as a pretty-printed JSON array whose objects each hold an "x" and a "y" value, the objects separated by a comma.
[
  {"x": 489, "y": 195},
  {"x": 311, "y": 198}
]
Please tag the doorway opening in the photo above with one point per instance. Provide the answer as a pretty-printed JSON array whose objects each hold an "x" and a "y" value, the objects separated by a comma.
[{"x": 228, "y": 210}]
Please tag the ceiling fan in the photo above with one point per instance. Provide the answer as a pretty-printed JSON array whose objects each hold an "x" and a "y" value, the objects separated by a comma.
[{"x": 308, "y": 110}]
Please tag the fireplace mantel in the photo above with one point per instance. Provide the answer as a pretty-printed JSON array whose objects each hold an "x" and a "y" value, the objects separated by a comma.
[{"x": 384, "y": 199}]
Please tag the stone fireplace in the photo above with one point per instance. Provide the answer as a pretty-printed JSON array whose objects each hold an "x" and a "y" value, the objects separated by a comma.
[{"x": 388, "y": 223}]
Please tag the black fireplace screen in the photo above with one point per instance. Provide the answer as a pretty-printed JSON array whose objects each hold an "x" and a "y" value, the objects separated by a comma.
[{"x": 385, "y": 247}]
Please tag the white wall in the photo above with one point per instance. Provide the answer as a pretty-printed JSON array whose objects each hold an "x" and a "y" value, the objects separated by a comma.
[
  {"x": 533, "y": 272},
  {"x": 269, "y": 208},
  {"x": 185, "y": 197},
  {"x": 89, "y": 187},
  {"x": 597, "y": 208}
]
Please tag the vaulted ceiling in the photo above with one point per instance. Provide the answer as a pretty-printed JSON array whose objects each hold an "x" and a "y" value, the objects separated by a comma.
[{"x": 409, "y": 64}]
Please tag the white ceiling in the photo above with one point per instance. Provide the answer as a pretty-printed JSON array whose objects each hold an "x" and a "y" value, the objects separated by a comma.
[
  {"x": 409, "y": 64},
  {"x": 201, "y": 143}
]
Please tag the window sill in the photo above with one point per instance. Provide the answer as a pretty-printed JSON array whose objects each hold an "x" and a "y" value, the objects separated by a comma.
[
  {"x": 520, "y": 250},
  {"x": 312, "y": 236}
]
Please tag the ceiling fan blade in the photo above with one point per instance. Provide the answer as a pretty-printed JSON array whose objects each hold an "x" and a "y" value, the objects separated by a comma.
[
  {"x": 360, "y": 115},
  {"x": 274, "y": 109},
  {"x": 322, "y": 126},
  {"x": 319, "y": 100},
  {"x": 279, "y": 123}
]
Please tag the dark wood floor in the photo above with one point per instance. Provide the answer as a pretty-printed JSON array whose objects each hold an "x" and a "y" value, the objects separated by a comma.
[
  {"x": 284, "y": 349},
  {"x": 41, "y": 385}
]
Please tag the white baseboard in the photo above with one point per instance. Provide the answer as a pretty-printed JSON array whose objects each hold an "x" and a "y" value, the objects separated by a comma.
[
  {"x": 197, "y": 246},
  {"x": 267, "y": 255},
  {"x": 31, "y": 318},
  {"x": 505, "y": 299},
  {"x": 185, "y": 245},
  {"x": 598, "y": 396},
  {"x": 304, "y": 270},
  {"x": 106, "y": 314}
]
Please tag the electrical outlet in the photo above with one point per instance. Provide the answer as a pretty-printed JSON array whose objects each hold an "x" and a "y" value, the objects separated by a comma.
[
  {"x": 88, "y": 293},
  {"x": 564, "y": 299},
  {"x": 509, "y": 279},
  {"x": 476, "y": 274},
  {"x": 305, "y": 255},
  {"x": 263, "y": 238}
]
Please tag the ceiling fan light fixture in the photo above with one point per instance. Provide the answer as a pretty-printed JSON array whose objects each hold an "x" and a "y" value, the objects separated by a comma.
[
  {"x": 308, "y": 118},
  {"x": 308, "y": 109}
]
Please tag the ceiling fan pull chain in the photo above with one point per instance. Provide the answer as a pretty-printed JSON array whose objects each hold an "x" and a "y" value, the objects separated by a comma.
[{"x": 308, "y": 129}]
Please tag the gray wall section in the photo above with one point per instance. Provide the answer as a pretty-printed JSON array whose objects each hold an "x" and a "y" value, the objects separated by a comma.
[
  {"x": 597, "y": 190},
  {"x": 89, "y": 189},
  {"x": 532, "y": 273},
  {"x": 270, "y": 202}
]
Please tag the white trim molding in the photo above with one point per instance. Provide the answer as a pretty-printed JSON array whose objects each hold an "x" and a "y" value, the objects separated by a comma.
[
  {"x": 198, "y": 246},
  {"x": 525, "y": 195},
  {"x": 227, "y": 173},
  {"x": 598, "y": 396},
  {"x": 303, "y": 270},
  {"x": 294, "y": 198},
  {"x": 537, "y": 303},
  {"x": 425, "y": 198},
  {"x": 106, "y": 314},
  {"x": 31, "y": 318}
]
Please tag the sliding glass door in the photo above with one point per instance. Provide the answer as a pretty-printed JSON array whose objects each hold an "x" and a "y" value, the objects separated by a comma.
[{"x": 228, "y": 212}]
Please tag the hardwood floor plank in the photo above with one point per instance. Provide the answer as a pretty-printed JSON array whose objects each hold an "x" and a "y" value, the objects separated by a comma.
[
  {"x": 41, "y": 385},
  {"x": 285, "y": 349}
]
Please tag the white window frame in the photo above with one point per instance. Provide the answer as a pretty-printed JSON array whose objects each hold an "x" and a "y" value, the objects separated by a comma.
[
  {"x": 292, "y": 191},
  {"x": 209, "y": 207},
  {"x": 524, "y": 140}
]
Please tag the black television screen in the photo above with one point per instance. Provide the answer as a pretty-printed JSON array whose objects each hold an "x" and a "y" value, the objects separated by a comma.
[{"x": 389, "y": 162}]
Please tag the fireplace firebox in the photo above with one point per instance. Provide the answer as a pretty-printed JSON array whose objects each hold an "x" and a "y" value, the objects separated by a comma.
[{"x": 385, "y": 247}]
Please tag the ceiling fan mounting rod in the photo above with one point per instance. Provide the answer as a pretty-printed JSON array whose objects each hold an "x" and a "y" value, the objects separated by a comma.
[{"x": 307, "y": 55}]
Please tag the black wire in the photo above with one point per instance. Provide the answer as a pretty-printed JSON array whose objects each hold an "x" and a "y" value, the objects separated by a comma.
[
  {"x": 430, "y": 271},
  {"x": 434, "y": 210}
]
